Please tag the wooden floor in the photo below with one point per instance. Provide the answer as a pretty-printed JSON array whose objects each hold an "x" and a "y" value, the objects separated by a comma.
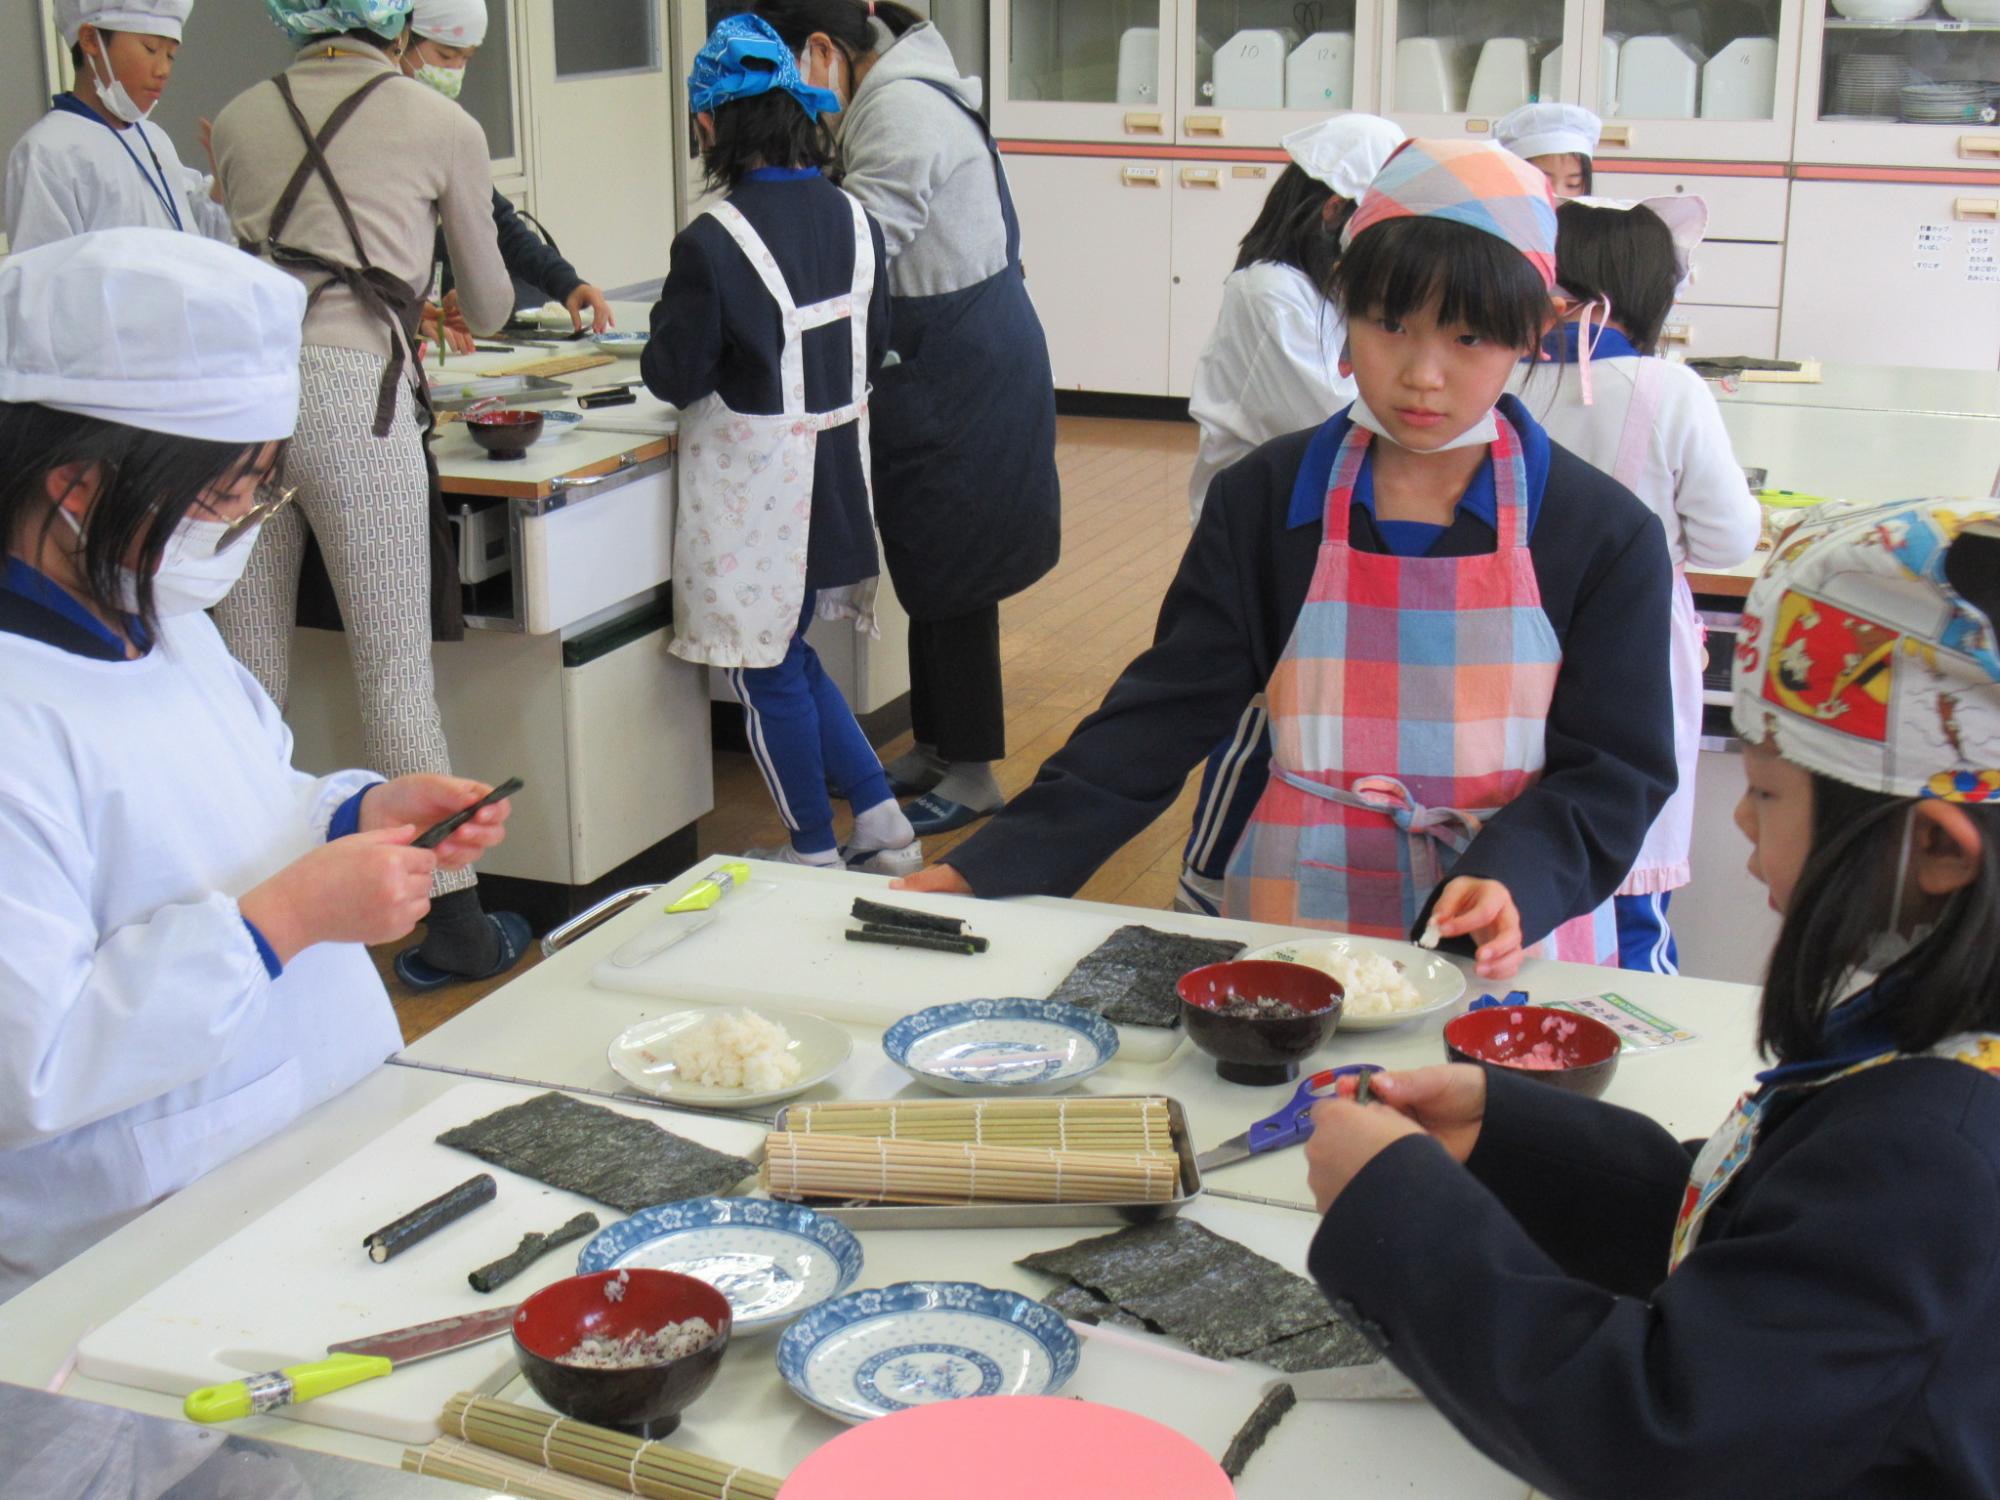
[{"x": 1063, "y": 643}]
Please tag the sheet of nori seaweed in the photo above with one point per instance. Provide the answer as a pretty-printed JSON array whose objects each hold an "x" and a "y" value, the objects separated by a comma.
[
  {"x": 1335, "y": 1347},
  {"x": 1132, "y": 1262},
  {"x": 1129, "y": 978},
  {"x": 1082, "y": 1305},
  {"x": 583, "y": 1148},
  {"x": 1262, "y": 1423}
]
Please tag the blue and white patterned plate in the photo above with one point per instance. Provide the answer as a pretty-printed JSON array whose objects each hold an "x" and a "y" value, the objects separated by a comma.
[
  {"x": 557, "y": 425},
  {"x": 771, "y": 1260},
  {"x": 919, "y": 1342},
  {"x": 1001, "y": 1046},
  {"x": 623, "y": 345}
]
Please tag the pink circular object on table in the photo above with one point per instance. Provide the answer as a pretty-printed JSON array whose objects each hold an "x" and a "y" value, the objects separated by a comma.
[{"x": 1007, "y": 1447}]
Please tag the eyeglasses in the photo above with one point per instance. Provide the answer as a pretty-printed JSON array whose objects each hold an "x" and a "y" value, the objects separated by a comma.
[{"x": 270, "y": 500}]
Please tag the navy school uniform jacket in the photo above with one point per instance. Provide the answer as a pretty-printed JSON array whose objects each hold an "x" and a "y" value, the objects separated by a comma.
[
  {"x": 1831, "y": 1337},
  {"x": 1561, "y": 848},
  {"x": 716, "y": 329}
]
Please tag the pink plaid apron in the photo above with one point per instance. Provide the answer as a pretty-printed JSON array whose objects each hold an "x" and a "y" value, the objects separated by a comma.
[{"x": 1409, "y": 707}]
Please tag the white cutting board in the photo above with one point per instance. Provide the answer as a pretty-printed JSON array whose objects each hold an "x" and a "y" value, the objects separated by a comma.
[
  {"x": 780, "y": 943},
  {"x": 281, "y": 1289}
]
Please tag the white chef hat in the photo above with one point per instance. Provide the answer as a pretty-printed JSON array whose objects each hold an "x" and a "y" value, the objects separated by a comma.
[
  {"x": 456, "y": 23},
  {"x": 1549, "y": 130},
  {"x": 155, "y": 329},
  {"x": 1346, "y": 151},
  {"x": 1684, "y": 214},
  {"x": 148, "y": 17}
]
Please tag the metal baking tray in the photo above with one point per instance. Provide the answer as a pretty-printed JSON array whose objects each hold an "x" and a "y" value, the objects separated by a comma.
[
  {"x": 1022, "y": 1215},
  {"x": 516, "y": 390}
]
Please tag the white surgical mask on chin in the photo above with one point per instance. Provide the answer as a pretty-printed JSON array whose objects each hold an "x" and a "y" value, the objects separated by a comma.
[
  {"x": 1479, "y": 434},
  {"x": 193, "y": 576},
  {"x": 111, "y": 93}
]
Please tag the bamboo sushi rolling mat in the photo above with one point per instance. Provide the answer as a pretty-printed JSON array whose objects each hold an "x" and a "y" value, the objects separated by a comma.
[
  {"x": 874, "y": 1169},
  {"x": 1081, "y": 1124},
  {"x": 544, "y": 1457},
  {"x": 553, "y": 366}
]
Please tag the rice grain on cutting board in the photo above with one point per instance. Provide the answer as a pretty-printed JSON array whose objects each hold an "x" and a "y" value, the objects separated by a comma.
[
  {"x": 1130, "y": 978},
  {"x": 584, "y": 1148}
]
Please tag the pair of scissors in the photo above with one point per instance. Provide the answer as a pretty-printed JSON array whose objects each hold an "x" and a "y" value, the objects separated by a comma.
[{"x": 1290, "y": 1125}]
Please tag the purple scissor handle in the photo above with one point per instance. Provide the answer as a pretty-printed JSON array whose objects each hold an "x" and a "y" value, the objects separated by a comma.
[{"x": 1293, "y": 1123}]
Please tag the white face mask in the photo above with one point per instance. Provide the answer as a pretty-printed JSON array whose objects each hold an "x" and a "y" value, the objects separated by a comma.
[
  {"x": 1479, "y": 434},
  {"x": 111, "y": 93},
  {"x": 193, "y": 576}
]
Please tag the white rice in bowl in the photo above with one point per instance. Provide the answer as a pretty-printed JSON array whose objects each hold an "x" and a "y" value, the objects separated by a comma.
[
  {"x": 1376, "y": 986},
  {"x": 735, "y": 1049}
]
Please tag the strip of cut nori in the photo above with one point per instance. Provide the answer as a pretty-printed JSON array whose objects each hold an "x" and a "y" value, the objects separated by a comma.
[
  {"x": 585, "y": 1148},
  {"x": 865, "y": 910},
  {"x": 1130, "y": 977},
  {"x": 1085, "y": 1306},
  {"x": 1337, "y": 1346},
  {"x": 1263, "y": 1422},
  {"x": 531, "y": 1249},
  {"x": 935, "y": 942},
  {"x": 427, "y": 1219},
  {"x": 882, "y": 929}
]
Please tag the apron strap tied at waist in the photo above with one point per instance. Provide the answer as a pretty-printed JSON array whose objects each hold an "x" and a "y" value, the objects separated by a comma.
[{"x": 1427, "y": 827}]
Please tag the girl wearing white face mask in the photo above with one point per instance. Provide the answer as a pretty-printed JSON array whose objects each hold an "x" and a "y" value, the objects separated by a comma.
[
  {"x": 183, "y": 972},
  {"x": 94, "y": 161}
]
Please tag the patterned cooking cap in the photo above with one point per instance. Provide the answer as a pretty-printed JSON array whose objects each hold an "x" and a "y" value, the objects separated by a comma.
[
  {"x": 1868, "y": 650},
  {"x": 744, "y": 57},
  {"x": 1467, "y": 182}
]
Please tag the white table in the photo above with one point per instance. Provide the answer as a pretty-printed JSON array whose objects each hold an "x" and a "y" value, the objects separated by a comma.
[{"x": 1878, "y": 388}]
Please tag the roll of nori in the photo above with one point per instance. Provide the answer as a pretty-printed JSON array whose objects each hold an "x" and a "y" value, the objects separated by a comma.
[
  {"x": 427, "y": 1219},
  {"x": 1263, "y": 1422},
  {"x": 884, "y": 930},
  {"x": 934, "y": 942},
  {"x": 865, "y": 910},
  {"x": 531, "y": 1249}
]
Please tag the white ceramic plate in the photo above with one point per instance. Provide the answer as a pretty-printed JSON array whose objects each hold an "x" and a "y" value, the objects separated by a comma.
[
  {"x": 641, "y": 1056},
  {"x": 1434, "y": 977},
  {"x": 1001, "y": 1046}
]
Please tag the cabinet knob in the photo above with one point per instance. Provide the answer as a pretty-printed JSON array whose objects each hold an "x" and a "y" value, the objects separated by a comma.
[
  {"x": 1143, "y": 123},
  {"x": 1205, "y": 125},
  {"x": 1677, "y": 333},
  {"x": 1975, "y": 208},
  {"x": 1140, "y": 176},
  {"x": 1616, "y": 135},
  {"x": 1979, "y": 145},
  {"x": 1201, "y": 177}
]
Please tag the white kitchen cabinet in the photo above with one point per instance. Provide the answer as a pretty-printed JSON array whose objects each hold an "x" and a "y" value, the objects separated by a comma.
[
  {"x": 1450, "y": 68},
  {"x": 1739, "y": 208},
  {"x": 1694, "y": 329},
  {"x": 1250, "y": 71},
  {"x": 1852, "y": 109},
  {"x": 1096, "y": 242},
  {"x": 1083, "y": 69},
  {"x": 1214, "y": 204},
  {"x": 1706, "y": 80},
  {"x": 1893, "y": 274}
]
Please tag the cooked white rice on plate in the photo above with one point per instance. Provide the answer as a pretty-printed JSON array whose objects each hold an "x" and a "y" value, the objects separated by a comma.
[{"x": 735, "y": 1049}]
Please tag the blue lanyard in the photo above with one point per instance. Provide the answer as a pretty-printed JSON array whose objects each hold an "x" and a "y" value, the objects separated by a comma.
[{"x": 156, "y": 179}]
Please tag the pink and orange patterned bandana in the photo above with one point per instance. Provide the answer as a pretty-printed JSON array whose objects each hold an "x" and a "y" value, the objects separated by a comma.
[{"x": 1467, "y": 182}]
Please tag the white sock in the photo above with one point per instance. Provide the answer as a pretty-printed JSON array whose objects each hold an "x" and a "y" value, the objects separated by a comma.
[{"x": 882, "y": 826}]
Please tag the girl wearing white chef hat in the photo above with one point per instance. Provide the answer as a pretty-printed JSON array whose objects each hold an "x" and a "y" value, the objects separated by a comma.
[
  {"x": 1272, "y": 366},
  {"x": 94, "y": 161},
  {"x": 1654, "y": 428},
  {"x": 183, "y": 972},
  {"x": 1561, "y": 139}
]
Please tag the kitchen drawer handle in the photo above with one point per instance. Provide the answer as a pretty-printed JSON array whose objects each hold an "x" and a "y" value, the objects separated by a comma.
[
  {"x": 579, "y": 482},
  {"x": 1979, "y": 145},
  {"x": 1213, "y": 125},
  {"x": 1140, "y": 177},
  {"x": 1975, "y": 208},
  {"x": 1616, "y": 135},
  {"x": 577, "y": 926},
  {"x": 1145, "y": 124},
  {"x": 1677, "y": 333},
  {"x": 1201, "y": 177}
]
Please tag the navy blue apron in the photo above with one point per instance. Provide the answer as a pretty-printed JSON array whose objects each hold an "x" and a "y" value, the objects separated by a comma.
[{"x": 964, "y": 437}]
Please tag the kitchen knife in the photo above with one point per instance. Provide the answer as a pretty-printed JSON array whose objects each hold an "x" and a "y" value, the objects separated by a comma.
[
  {"x": 1377, "y": 1381},
  {"x": 346, "y": 1364}
]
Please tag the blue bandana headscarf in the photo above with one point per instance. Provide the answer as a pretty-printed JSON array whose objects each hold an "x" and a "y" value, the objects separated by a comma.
[{"x": 743, "y": 58}]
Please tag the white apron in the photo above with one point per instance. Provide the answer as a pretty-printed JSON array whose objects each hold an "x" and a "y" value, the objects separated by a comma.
[{"x": 747, "y": 484}]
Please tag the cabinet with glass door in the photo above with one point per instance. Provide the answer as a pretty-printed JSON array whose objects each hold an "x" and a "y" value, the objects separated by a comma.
[
  {"x": 1083, "y": 70},
  {"x": 1901, "y": 83},
  {"x": 1693, "y": 80},
  {"x": 1250, "y": 71},
  {"x": 1453, "y": 67}
]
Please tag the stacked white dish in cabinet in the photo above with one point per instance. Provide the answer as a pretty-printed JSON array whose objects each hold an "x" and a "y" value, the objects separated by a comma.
[
  {"x": 1320, "y": 74},
  {"x": 1249, "y": 69},
  {"x": 1659, "y": 78},
  {"x": 1741, "y": 81},
  {"x": 1504, "y": 79},
  {"x": 1430, "y": 75},
  {"x": 1139, "y": 65},
  {"x": 1607, "y": 72},
  {"x": 1881, "y": 10}
]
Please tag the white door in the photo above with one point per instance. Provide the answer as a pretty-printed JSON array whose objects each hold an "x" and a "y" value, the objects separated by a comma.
[
  {"x": 605, "y": 140},
  {"x": 1096, "y": 242},
  {"x": 1930, "y": 294},
  {"x": 1215, "y": 204}
]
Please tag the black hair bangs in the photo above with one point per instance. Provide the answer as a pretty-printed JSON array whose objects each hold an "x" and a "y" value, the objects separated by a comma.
[{"x": 1467, "y": 277}]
